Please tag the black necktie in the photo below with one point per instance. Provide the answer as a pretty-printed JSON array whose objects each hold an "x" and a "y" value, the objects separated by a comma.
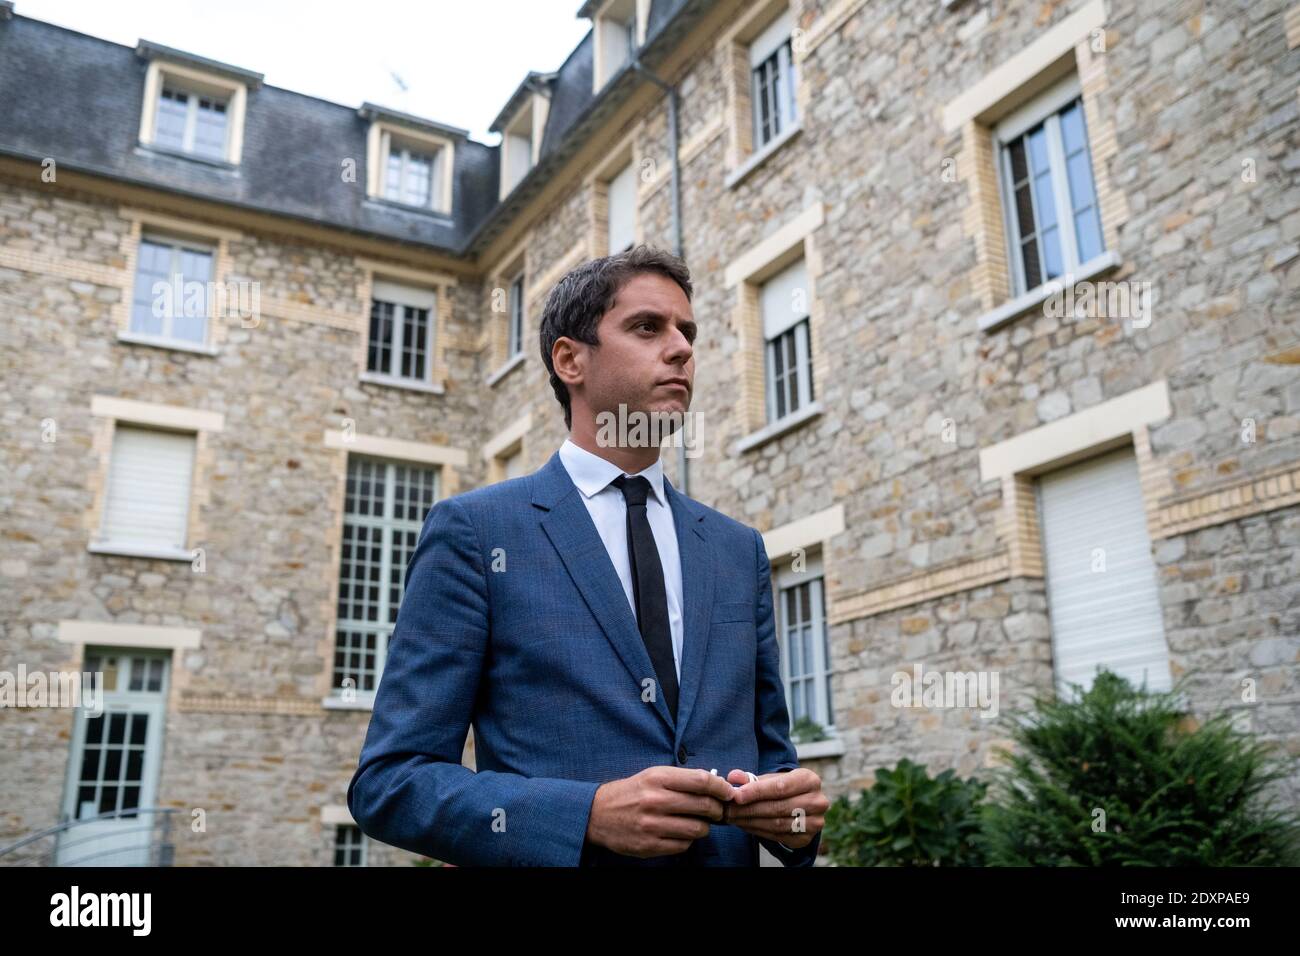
[{"x": 648, "y": 586}]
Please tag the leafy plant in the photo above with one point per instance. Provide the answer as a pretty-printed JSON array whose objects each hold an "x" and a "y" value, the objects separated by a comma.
[
  {"x": 908, "y": 819},
  {"x": 805, "y": 730},
  {"x": 1119, "y": 776}
]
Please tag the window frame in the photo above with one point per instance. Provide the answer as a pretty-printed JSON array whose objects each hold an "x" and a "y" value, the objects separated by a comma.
[
  {"x": 515, "y": 316},
  {"x": 384, "y": 137},
  {"x": 143, "y": 547},
  {"x": 786, "y": 580},
  {"x": 1044, "y": 111},
  {"x": 784, "y": 95},
  {"x": 177, "y": 244},
  {"x": 803, "y": 390},
  {"x": 194, "y": 82},
  {"x": 407, "y": 297},
  {"x": 361, "y": 848},
  {"x": 388, "y": 527},
  {"x": 193, "y": 104}
]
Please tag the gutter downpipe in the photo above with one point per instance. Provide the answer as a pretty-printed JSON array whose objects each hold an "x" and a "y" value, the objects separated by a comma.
[{"x": 671, "y": 93}]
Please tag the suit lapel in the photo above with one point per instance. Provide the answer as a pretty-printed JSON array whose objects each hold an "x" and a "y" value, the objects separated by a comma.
[
  {"x": 697, "y": 596},
  {"x": 574, "y": 536}
]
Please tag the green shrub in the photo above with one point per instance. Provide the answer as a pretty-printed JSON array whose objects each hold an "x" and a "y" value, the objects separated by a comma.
[
  {"x": 805, "y": 729},
  {"x": 907, "y": 819},
  {"x": 1116, "y": 777}
]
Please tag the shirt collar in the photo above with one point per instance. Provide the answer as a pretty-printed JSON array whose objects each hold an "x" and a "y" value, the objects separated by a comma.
[{"x": 591, "y": 473}]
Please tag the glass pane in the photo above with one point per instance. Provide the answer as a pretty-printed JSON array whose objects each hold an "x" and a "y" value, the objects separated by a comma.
[
  {"x": 419, "y": 169},
  {"x": 169, "y": 124},
  {"x": 139, "y": 728},
  {"x": 381, "y": 337},
  {"x": 393, "y": 177},
  {"x": 153, "y": 263},
  {"x": 210, "y": 131},
  {"x": 1072, "y": 131}
]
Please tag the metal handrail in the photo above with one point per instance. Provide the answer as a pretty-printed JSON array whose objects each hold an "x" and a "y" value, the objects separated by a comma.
[{"x": 161, "y": 850}]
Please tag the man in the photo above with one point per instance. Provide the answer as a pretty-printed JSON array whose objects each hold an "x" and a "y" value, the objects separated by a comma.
[{"x": 610, "y": 639}]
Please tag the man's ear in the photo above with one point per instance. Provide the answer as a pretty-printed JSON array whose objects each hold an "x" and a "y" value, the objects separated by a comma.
[{"x": 569, "y": 359}]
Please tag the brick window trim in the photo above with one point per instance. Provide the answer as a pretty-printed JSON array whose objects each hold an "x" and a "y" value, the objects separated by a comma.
[
  {"x": 732, "y": 51},
  {"x": 107, "y": 412},
  {"x": 746, "y": 274},
  {"x": 441, "y": 285},
  {"x": 1063, "y": 50}
]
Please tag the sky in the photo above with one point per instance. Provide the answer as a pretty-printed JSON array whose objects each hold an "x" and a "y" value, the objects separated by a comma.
[{"x": 459, "y": 60}]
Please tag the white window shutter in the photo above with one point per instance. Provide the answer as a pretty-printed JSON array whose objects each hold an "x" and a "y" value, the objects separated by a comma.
[
  {"x": 784, "y": 299},
  {"x": 622, "y": 209},
  {"x": 1101, "y": 579},
  {"x": 148, "y": 499}
]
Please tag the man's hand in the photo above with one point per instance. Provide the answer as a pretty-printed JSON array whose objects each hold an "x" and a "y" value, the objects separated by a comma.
[
  {"x": 788, "y": 806},
  {"x": 658, "y": 812}
]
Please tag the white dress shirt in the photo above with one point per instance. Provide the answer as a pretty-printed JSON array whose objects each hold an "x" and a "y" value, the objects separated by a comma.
[{"x": 592, "y": 475}]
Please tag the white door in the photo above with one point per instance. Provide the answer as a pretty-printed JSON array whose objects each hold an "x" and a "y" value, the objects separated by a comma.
[
  {"x": 1101, "y": 578},
  {"x": 115, "y": 759}
]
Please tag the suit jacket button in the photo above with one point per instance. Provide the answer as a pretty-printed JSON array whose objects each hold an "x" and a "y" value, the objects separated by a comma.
[{"x": 681, "y": 754}]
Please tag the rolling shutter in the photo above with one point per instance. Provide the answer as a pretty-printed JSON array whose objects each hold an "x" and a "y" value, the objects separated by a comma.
[
  {"x": 148, "y": 498},
  {"x": 622, "y": 209},
  {"x": 1101, "y": 579},
  {"x": 785, "y": 299}
]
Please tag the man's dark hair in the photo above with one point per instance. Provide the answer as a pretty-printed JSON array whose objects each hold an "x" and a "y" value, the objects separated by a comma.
[{"x": 586, "y": 292}]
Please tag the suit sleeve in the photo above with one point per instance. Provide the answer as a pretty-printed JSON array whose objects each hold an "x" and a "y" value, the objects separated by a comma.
[
  {"x": 410, "y": 789},
  {"x": 776, "y": 753}
]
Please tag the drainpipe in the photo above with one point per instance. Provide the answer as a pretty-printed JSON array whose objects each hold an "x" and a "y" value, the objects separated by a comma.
[{"x": 671, "y": 93}]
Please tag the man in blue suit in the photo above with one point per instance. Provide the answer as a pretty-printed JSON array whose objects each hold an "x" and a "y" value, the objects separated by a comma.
[{"x": 610, "y": 639}]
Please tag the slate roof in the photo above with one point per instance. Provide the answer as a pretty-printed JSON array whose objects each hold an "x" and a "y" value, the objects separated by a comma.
[{"x": 80, "y": 104}]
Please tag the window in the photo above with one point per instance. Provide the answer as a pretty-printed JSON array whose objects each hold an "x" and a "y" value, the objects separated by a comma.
[
  {"x": 170, "y": 299},
  {"x": 622, "y": 200},
  {"x": 616, "y": 35},
  {"x": 410, "y": 175},
  {"x": 515, "y": 338},
  {"x": 147, "y": 502},
  {"x": 191, "y": 122},
  {"x": 349, "y": 845},
  {"x": 409, "y": 160},
  {"x": 384, "y": 510},
  {"x": 784, "y": 305},
  {"x": 805, "y": 655},
  {"x": 1101, "y": 578},
  {"x": 400, "y": 347},
  {"x": 513, "y": 464},
  {"x": 1049, "y": 199},
  {"x": 115, "y": 758},
  {"x": 772, "y": 75},
  {"x": 193, "y": 106}
]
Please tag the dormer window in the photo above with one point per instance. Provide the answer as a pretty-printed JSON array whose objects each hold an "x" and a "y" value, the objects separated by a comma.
[
  {"x": 521, "y": 124},
  {"x": 191, "y": 122},
  {"x": 410, "y": 160},
  {"x": 192, "y": 106},
  {"x": 619, "y": 28},
  {"x": 410, "y": 174}
]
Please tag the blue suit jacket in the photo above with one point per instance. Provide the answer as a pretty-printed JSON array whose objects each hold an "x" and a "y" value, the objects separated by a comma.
[{"x": 514, "y": 620}]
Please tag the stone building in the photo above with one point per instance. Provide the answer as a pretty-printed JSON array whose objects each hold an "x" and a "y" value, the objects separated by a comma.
[{"x": 998, "y": 347}]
